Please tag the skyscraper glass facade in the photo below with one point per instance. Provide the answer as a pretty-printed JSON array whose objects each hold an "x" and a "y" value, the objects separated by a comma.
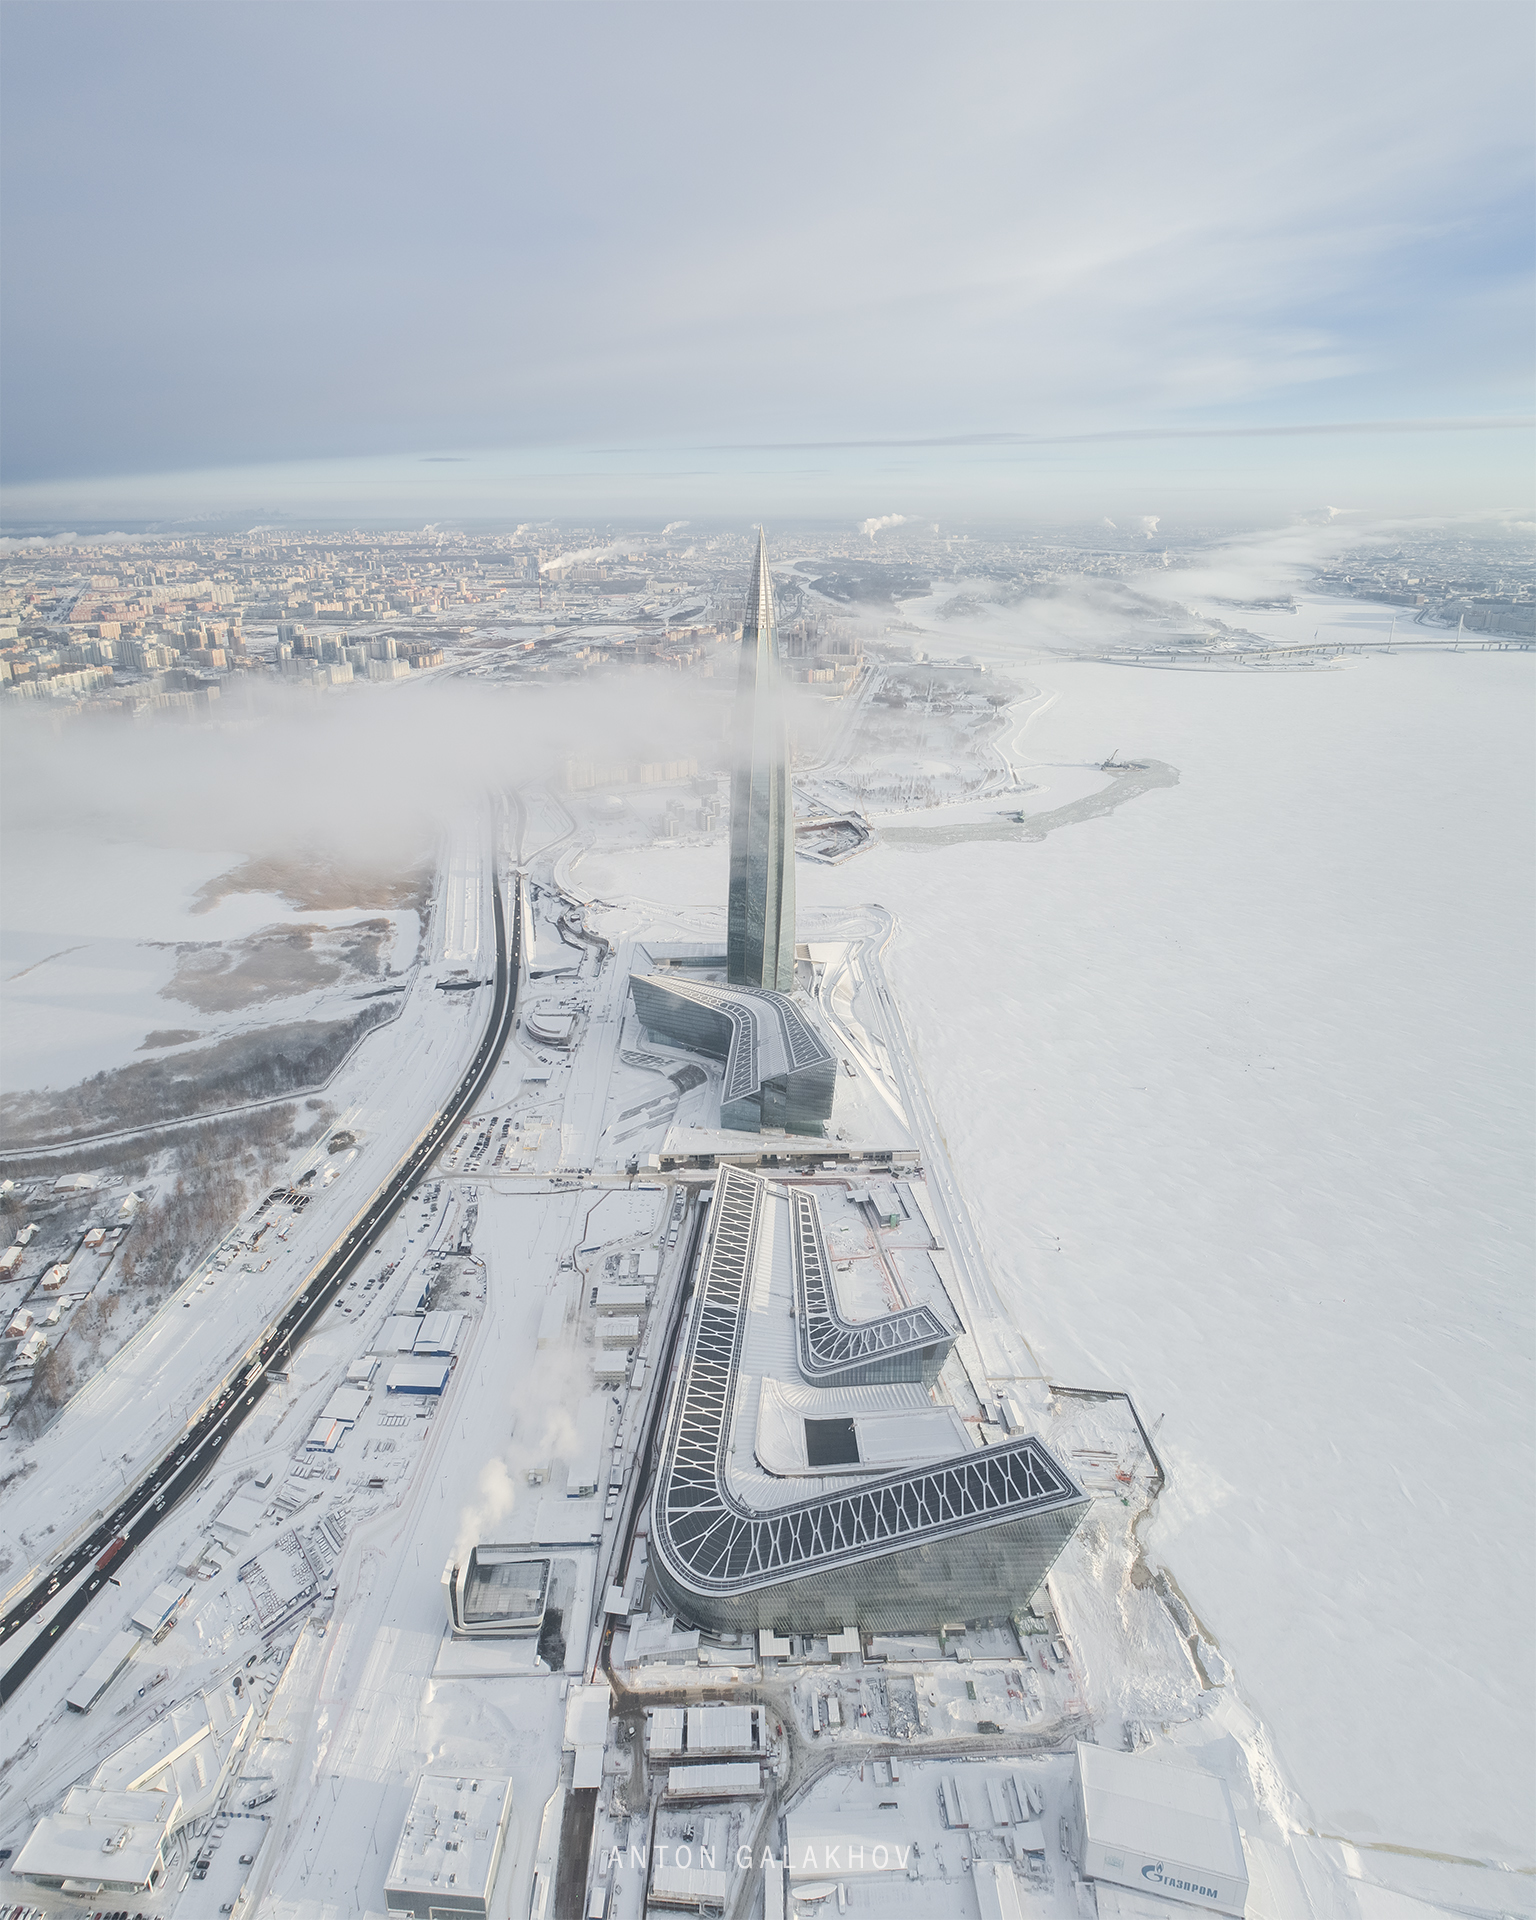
[{"x": 760, "y": 921}]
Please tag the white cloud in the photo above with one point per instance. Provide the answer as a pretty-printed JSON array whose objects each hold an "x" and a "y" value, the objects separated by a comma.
[
  {"x": 872, "y": 527},
  {"x": 293, "y": 772},
  {"x": 1144, "y": 251}
]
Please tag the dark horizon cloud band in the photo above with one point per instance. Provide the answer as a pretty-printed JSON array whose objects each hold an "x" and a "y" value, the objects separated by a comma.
[{"x": 1506, "y": 423}]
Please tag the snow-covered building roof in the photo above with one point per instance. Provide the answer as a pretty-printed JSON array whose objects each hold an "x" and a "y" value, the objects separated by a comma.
[
  {"x": 450, "y": 1846},
  {"x": 845, "y": 1843},
  {"x": 186, "y": 1752},
  {"x": 346, "y": 1404},
  {"x": 417, "y": 1376},
  {"x": 101, "y": 1842},
  {"x": 438, "y": 1333},
  {"x": 151, "y": 1614},
  {"x": 586, "y": 1731},
  {"x": 722, "y": 1780},
  {"x": 102, "y": 1671},
  {"x": 1163, "y": 1830}
]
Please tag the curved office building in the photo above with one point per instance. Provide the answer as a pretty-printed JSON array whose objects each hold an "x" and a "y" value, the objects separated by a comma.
[
  {"x": 911, "y": 1344},
  {"x": 779, "y": 1072},
  {"x": 806, "y": 1509}
]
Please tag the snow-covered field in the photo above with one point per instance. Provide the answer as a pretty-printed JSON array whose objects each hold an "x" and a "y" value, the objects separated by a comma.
[
  {"x": 1238, "y": 1081},
  {"x": 89, "y": 933}
]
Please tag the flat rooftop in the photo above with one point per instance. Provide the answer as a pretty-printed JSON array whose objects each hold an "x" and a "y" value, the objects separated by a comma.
[
  {"x": 502, "y": 1585},
  {"x": 100, "y": 1839},
  {"x": 450, "y": 1844}
]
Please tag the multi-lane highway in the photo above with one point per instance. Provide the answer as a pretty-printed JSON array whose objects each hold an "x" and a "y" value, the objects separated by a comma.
[{"x": 135, "y": 1516}]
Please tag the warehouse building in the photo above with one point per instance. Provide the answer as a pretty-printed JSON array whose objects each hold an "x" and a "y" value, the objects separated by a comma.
[
  {"x": 102, "y": 1671},
  {"x": 418, "y": 1376},
  {"x": 1158, "y": 1829},
  {"x": 101, "y": 1843}
]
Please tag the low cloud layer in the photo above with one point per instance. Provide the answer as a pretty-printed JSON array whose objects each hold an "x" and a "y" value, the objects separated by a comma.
[{"x": 367, "y": 776}]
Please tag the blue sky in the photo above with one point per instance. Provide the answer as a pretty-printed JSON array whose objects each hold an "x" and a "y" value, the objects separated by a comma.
[{"x": 650, "y": 256}]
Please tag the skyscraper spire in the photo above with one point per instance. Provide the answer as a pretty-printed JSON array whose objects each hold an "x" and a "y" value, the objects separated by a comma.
[
  {"x": 760, "y": 920},
  {"x": 760, "y": 592}
]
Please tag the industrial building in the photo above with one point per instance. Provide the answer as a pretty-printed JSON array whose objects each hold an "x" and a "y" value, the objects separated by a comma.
[
  {"x": 783, "y": 1504},
  {"x": 779, "y": 1072},
  {"x": 450, "y": 1847},
  {"x": 760, "y": 915},
  {"x": 418, "y": 1376},
  {"x": 101, "y": 1842},
  {"x": 102, "y": 1671},
  {"x": 153, "y": 1615},
  {"x": 712, "y": 1732},
  {"x": 110, "y": 1836},
  {"x": 1168, "y": 1831}
]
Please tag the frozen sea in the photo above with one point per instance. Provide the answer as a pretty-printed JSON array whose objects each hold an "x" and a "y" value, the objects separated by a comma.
[{"x": 1238, "y": 1081}]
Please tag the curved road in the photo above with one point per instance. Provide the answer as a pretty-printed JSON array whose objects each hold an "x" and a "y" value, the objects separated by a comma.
[{"x": 141, "y": 1509}]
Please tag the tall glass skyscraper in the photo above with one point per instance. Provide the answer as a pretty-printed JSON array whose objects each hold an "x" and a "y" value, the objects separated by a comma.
[{"x": 760, "y": 922}]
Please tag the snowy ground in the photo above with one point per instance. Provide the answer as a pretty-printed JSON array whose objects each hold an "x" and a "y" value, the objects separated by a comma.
[
  {"x": 130, "y": 1410},
  {"x": 1237, "y": 1082}
]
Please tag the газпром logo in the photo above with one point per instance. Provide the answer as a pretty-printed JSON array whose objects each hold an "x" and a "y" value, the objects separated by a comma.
[{"x": 1177, "y": 1886}]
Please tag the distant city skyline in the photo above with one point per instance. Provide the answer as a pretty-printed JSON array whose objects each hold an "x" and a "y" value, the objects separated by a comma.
[{"x": 482, "y": 260}]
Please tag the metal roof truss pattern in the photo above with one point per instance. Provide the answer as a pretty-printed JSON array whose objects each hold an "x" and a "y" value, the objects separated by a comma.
[
  {"x": 708, "y": 1543},
  {"x": 911, "y": 1344},
  {"x": 768, "y": 1045}
]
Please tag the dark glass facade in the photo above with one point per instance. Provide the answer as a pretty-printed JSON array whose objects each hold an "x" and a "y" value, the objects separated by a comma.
[
  {"x": 760, "y": 918},
  {"x": 779, "y": 1072}
]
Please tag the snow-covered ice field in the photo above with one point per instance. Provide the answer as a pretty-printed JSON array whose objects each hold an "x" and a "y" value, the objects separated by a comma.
[
  {"x": 1238, "y": 1080},
  {"x": 89, "y": 932}
]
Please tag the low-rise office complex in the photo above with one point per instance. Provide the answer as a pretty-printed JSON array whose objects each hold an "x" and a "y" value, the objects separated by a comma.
[
  {"x": 779, "y": 1072},
  {"x": 804, "y": 1509},
  {"x": 496, "y": 1590}
]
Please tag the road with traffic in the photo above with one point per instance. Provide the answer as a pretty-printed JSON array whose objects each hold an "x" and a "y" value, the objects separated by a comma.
[{"x": 89, "y": 1563}]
